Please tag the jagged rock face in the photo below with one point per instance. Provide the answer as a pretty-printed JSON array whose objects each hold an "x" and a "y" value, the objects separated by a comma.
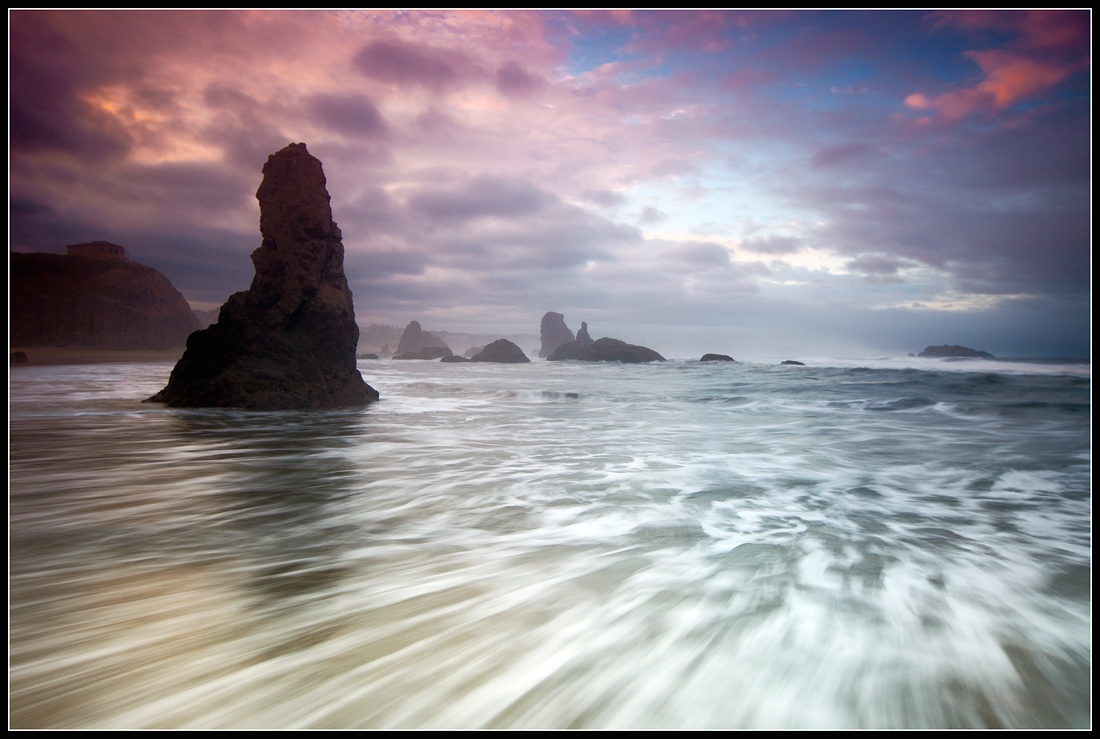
[
  {"x": 954, "y": 351},
  {"x": 502, "y": 351},
  {"x": 582, "y": 335},
  {"x": 605, "y": 350},
  {"x": 415, "y": 340},
  {"x": 288, "y": 342},
  {"x": 61, "y": 300},
  {"x": 554, "y": 333}
]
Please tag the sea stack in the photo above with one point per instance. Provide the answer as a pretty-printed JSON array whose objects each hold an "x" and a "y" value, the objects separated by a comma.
[
  {"x": 288, "y": 342},
  {"x": 415, "y": 340},
  {"x": 554, "y": 333}
]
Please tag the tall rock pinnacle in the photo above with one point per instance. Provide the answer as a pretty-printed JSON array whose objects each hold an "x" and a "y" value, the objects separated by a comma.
[{"x": 288, "y": 342}]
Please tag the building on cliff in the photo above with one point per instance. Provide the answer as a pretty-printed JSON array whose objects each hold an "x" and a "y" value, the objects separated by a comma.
[{"x": 97, "y": 250}]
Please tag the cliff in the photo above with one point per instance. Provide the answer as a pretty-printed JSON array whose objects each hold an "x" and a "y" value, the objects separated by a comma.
[{"x": 61, "y": 300}]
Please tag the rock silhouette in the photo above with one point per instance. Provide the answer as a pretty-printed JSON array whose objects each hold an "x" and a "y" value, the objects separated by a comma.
[
  {"x": 582, "y": 335},
  {"x": 415, "y": 340},
  {"x": 954, "y": 351},
  {"x": 502, "y": 351},
  {"x": 62, "y": 300},
  {"x": 717, "y": 358},
  {"x": 288, "y": 342},
  {"x": 553, "y": 332},
  {"x": 605, "y": 350}
]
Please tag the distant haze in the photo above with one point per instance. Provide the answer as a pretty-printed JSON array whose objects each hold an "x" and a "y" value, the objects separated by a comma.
[{"x": 749, "y": 183}]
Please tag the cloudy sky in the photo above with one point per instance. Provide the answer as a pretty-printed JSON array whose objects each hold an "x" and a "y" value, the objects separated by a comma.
[{"x": 751, "y": 183}]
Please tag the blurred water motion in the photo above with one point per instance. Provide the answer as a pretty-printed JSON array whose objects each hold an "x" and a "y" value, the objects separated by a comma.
[{"x": 554, "y": 546}]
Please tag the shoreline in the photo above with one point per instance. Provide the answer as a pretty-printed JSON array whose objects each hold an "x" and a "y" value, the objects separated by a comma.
[{"x": 44, "y": 356}]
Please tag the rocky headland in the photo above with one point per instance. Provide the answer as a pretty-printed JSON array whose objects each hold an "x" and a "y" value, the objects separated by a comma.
[
  {"x": 288, "y": 342},
  {"x": 64, "y": 300},
  {"x": 954, "y": 351}
]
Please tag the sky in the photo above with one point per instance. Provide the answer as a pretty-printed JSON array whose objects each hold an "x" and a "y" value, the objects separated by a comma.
[{"x": 752, "y": 183}]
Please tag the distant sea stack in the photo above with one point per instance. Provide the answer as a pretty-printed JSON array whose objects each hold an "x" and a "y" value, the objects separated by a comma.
[
  {"x": 554, "y": 333},
  {"x": 288, "y": 342},
  {"x": 954, "y": 351},
  {"x": 502, "y": 351},
  {"x": 605, "y": 350},
  {"x": 415, "y": 340},
  {"x": 582, "y": 335},
  {"x": 102, "y": 303}
]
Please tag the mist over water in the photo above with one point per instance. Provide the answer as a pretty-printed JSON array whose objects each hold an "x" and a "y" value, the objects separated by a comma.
[{"x": 557, "y": 545}]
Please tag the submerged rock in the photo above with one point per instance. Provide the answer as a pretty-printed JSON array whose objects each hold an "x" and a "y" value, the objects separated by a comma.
[
  {"x": 954, "y": 351},
  {"x": 793, "y": 361},
  {"x": 288, "y": 342},
  {"x": 554, "y": 333},
  {"x": 502, "y": 351},
  {"x": 605, "y": 350},
  {"x": 717, "y": 358}
]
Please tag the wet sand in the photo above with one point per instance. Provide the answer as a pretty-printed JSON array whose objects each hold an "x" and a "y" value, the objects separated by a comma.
[{"x": 54, "y": 355}]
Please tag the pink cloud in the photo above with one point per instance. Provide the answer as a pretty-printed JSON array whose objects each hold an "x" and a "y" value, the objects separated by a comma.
[{"x": 1049, "y": 47}]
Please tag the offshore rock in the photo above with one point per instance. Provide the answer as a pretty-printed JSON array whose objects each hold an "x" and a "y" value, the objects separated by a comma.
[
  {"x": 415, "y": 340},
  {"x": 288, "y": 342},
  {"x": 794, "y": 362},
  {"x": 63, "y": 300},
  {"x": 428, "y": 352},
  {"x": 582, "y": 335},
  {"x": 605, "y": 350},
  {"x": 717, "y": 358},
  {"x": 954, "y": 351},
  {"x": 554, "y": 333},
  {"x": 502, "y": 351}
]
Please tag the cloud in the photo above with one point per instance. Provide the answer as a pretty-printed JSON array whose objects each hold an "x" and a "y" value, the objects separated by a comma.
[
  {"x": 401, "y": 63},
  {"x": 351, "y": 115},
  {"x": 515, "y": 81},
  {"x": 1048, "y": 48}
]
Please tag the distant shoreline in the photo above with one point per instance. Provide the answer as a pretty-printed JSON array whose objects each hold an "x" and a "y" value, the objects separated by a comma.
[{"x": 42, "y": 356}]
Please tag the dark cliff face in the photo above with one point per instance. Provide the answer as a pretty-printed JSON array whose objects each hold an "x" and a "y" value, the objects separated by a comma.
[
  {"x": 78, "y": 301},
  {"x": 553, "y": 332},
  {"x": 288, "y": 342}
]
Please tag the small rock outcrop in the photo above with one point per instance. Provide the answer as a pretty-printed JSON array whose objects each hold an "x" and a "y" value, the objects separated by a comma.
[
  {"x": 582, "y": 335},
  {"x": 502, "y": 351},
  {"x": 793, "y": 361},
  {"x": 717, "y": 358},
  {"x": 428, "y": 352},
  {"x": 605, "y": 350},
  {"x": 415, "y": 340},
  {"x": 63, "y": 300},
  {"x": 288, "y": 342},
  {"x": 19, "y": 358},
  {"x": 554, "y": 333},
  {"x": 455, "y": 359},
  {"x": 954, "y": 351}
]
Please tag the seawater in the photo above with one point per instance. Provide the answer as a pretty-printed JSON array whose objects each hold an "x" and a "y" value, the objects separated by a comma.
[{"x": 557, "y": 545}]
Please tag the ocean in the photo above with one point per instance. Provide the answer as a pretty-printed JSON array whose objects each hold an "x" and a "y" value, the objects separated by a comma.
[{"x": 886, "y": 543}]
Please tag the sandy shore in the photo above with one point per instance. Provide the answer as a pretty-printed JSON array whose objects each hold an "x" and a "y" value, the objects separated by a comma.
[{"x": 53, "y": 355}]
